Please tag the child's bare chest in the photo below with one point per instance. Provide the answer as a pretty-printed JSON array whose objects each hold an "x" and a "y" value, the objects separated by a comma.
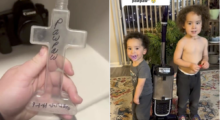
[{"x": 193, "y": 47}]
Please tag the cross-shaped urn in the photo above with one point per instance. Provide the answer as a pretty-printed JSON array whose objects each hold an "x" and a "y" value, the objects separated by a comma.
[{"x": 57, "y": 37}]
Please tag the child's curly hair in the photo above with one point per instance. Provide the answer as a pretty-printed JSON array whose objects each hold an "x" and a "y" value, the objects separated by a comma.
[
  {"x": 199, "y": 10},
  {"x": 144, "y": 39}
]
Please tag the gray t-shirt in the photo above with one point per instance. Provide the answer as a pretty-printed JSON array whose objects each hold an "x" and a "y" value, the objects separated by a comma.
[{"x": 142, "y": 71}]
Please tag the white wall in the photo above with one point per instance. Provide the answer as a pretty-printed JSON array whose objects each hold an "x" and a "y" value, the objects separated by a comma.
[
  {"x": 91, "y": 16},
  {"x": 5, "y": 5},
  {"x": 114, "y": 58}
]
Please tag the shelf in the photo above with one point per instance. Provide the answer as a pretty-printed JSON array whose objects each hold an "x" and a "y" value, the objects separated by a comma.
[{"x": 213, "y": 42}]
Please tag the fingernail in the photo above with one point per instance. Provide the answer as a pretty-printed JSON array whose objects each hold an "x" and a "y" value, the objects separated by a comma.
[
  {"x": 78, "y": 98},
  {"x": 42, "y": 51},
  {"x": 71, "y": 69}
]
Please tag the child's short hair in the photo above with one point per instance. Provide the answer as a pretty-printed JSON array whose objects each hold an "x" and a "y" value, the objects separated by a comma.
[
  {"x": 144, "y": 39},
  {"x": 199, "y": 10}
]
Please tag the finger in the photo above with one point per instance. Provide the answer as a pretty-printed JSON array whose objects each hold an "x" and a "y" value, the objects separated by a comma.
[
  {"x": 34, "y": 66},
  {"x": 62, "y": 63},
  {"x": 206, "y": 63},
  {"x": 39, "y": 82},
  {"x": 70, "y": 88},
  {"x": 68, "y": 69},
  {"x": 202, "y": 62},
  {"x": 67, "y": 117},
  {"x": 205, "y": 66}
]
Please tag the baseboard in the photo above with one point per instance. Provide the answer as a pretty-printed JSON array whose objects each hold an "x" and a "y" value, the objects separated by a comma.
[{"x": 115, "y": 64}]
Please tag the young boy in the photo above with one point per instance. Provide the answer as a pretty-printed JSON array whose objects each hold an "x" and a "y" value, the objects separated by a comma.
[
  {"x": 136, "y": 45},
  {"x": 190, "y": 55}
]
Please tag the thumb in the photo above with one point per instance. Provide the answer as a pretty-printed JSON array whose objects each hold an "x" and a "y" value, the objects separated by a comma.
[{"x": 34, "y": 66}]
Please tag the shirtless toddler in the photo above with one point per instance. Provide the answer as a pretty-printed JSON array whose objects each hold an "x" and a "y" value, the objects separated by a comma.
[{"x": 191, "y": 55}]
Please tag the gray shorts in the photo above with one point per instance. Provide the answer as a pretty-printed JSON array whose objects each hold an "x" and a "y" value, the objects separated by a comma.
[{"x": 142, "y": 111}]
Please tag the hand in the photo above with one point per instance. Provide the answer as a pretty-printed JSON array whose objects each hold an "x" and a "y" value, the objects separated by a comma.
[
  {"x": 18, "y": 85},
  {"x": 205, "y": 64},
  {"x": 195, "y": 67},
  {"x": 136, "y": 101}
]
